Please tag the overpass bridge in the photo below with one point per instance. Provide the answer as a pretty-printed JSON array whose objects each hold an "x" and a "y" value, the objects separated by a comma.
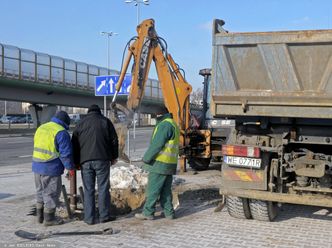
[
  {"x": 29, "y": 76},
  {"x": 39, "y": 78}
]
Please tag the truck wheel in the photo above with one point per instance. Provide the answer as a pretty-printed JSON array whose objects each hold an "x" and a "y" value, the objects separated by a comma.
[
  {"x": 199, "y": 163},
  {"x": 238, "y": 207},
  {"x": 263, "y": 210}
]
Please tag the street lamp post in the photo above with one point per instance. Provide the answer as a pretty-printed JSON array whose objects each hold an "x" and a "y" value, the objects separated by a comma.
[
  {"x": 137, "y": 3},
  {"x": 109, "y": 35}
]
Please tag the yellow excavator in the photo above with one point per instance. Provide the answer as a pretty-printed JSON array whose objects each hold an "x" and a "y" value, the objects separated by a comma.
[{"x": 144, "y": 49}]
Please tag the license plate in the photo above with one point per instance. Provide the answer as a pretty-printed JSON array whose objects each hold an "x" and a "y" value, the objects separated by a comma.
[{"x": 243, "y": 161}]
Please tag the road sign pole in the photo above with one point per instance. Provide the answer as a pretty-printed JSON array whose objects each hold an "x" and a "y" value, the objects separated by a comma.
[
  {"x": 128, "y": 144},
  {"x": 105, "y": 107}
]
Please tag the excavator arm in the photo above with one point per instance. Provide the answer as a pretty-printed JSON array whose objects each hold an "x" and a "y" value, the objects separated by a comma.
[{"x": 146, "y": 48}]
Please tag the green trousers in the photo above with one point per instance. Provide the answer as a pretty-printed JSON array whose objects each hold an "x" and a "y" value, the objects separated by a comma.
[{"x": 159, "y": 187}]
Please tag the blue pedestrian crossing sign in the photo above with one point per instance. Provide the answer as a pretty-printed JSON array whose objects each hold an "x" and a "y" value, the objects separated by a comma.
[{"x": 105, "y": 85}]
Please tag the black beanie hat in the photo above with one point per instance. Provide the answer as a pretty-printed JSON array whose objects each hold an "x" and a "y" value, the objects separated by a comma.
[
  {"x": 63, "y": 116},
  {"x": 94, "y": 108},
  {"x": 163, "y": 110}
]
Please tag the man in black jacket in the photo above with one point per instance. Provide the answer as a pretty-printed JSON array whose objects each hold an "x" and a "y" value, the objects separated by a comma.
[{"x": 95, "y": 148}]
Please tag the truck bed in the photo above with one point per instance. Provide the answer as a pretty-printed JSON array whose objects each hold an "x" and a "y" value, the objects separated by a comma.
[{"x": 284, "y": 74}]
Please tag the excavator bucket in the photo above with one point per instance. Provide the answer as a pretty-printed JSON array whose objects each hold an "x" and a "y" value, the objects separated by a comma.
[
  {"x": 122, "y": 132},
  {"x": 121, "y": 127}
]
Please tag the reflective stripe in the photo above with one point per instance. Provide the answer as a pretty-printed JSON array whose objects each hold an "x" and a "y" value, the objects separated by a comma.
[
  {"x": 173, "y": 155},
  {"x": 170, "y": 145},
  {"x": 43, "y": 151},
  {"x": 42, "y": 160},
  {"x": 37, "y": 149}
]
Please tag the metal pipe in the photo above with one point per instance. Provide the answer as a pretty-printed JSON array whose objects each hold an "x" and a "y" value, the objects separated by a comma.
[
  {"x": 206, "y": 73},
  {"x": 65, "y": 198},
  {"x": 73, "y": 192},
  {"x": 128, "y": 143},
  {"x": 80, "y": 189}
]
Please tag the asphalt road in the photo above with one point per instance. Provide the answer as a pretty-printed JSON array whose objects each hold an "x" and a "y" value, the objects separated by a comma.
[
  {"x": 18, "y": 150},
  {"x": 15, "y": 150}
]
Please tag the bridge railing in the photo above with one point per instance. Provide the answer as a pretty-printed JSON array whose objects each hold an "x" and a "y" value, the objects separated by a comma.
[{"x": 28, "y": 65}]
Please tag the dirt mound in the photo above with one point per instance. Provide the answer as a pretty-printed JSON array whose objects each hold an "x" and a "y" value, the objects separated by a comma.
[{"x": 126, "y": 200}]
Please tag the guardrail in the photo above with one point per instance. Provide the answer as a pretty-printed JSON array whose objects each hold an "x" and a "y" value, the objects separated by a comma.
[{"x": 28, "y": 65}]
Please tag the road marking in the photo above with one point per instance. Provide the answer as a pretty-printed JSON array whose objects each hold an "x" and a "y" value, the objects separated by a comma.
[
  {"x": 131, "y": 131},
  {"x": 25, "y": 156},
  {"x": 18, "y": 142}
]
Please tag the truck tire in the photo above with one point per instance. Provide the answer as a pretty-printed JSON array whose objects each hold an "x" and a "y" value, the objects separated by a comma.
[
  {"x": 199, "y": 163},
  {"x": 263, "y": 210},
  {"x": 238, "y": 207}
]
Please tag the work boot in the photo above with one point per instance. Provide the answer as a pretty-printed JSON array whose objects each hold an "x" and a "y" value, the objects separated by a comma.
[
  {"x": 40, "y": 212},
  {"x": 50, "y": 219},
  {"x": 144, "y": 217},
  {"x": 111, "y": 218},
  {"x": 170, "y": 217}
]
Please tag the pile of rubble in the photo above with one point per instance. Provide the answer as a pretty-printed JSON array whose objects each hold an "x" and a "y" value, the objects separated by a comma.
[{"x": 124, "y": 177}]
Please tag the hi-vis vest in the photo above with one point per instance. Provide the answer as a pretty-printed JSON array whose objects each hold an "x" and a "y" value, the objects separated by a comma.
[
  {"x": 169, "y": 154},
  {"x": 44, "y": 147}
]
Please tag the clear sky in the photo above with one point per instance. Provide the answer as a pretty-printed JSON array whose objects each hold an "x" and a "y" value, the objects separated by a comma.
[{"x": 71, "y": 28}]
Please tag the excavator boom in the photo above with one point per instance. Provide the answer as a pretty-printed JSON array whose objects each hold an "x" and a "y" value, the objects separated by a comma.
[{"x": 148, "y": 47}]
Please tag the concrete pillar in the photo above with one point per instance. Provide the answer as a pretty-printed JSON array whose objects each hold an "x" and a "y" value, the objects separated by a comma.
[
  {"x": 41, "y": 115},
  {"x": 149, "y": 119}
]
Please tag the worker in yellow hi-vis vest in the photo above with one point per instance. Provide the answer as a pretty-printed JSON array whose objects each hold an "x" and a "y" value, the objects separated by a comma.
[
  {"x": 161, "y": 160},
  {"x": 52, "y": 153}
]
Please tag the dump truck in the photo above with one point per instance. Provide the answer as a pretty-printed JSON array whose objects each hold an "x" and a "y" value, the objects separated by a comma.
[{"x": 274, "y": 91}]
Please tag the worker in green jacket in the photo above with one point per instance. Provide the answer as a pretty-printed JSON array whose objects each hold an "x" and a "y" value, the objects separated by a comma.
[{"x": 160, "y": 160}]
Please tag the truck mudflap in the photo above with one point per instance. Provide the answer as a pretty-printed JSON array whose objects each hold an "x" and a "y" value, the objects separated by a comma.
[
  {"x": 246, "y": 176},
  {"x": 239, "y": 178},
  {"x": 303, "y": 199}
]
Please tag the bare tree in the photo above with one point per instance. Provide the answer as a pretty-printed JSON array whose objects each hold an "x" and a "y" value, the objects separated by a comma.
[{"x": 196, "y": 96}]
